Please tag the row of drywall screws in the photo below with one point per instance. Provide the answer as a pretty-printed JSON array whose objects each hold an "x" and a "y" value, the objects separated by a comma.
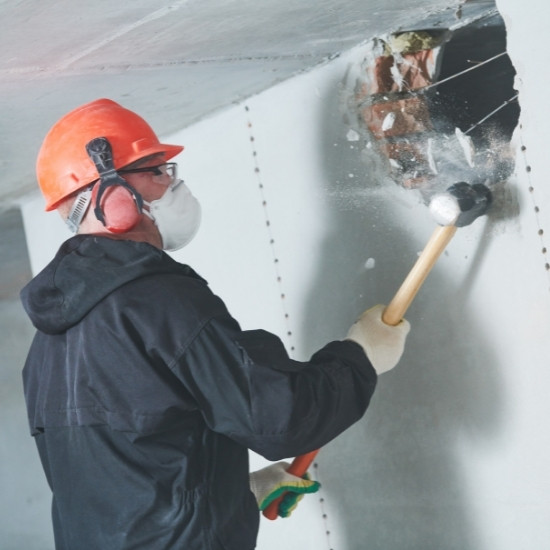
[
  {"x": 269, "y": 229},
  {"x": 279, "y": 280},
  {"x": 322, "y": 506},
  {"x": 540, "y": 231}
]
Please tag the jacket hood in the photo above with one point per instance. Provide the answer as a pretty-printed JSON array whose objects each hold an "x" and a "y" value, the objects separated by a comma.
[{"x": 85, "y": 270}]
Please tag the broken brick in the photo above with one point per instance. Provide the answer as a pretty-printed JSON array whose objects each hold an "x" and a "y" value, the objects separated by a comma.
[{"x": 399, "y": 117}]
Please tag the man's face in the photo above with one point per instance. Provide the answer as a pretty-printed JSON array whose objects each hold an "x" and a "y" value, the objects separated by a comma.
[{"x": 151, "y": 185}]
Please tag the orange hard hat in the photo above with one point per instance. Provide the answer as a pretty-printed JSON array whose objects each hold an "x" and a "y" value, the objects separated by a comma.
[{"x": 63, "y": 165}]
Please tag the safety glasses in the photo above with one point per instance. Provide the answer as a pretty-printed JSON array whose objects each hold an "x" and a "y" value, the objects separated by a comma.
[{"x": 166, "y": 173}]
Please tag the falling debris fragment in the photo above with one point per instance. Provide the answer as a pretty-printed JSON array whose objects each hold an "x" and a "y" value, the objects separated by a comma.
[
  {"x": 429, "y": 155},
  {"x": 467, "y": 146},
  {"x": 370, "y": 263},
  {"x": 352, "y": 135},
  {"x": 388, "y": 122}
]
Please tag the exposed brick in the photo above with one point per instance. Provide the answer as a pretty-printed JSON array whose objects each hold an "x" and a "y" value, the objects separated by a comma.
[
  {"x": 414, "y": 70},
  {"x": 410, "y": 115}
]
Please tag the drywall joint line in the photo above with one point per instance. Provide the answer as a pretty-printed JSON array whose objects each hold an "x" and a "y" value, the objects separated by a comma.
[
  {"x": 536, "y": 209},
  {"x": 67, "y": 66},
  {"x": 269, "y": 227}
]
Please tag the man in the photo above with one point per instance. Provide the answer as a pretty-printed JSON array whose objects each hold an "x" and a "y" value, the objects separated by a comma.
[{"x": 143, "y": 393}]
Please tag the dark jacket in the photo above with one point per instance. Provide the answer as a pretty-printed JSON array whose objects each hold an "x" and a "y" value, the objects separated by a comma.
[{"x": 144, "y": 394}]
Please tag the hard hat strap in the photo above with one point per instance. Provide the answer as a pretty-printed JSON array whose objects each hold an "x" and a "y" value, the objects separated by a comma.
[
  {"x": 100, "y": 152},
  {"x": 78, "y": 209}
]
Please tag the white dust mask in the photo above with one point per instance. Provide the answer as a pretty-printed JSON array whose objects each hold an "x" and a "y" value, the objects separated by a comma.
[{"x": 177, "y": 214}]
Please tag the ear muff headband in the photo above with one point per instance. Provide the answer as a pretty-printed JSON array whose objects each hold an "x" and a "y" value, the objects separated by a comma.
[{"x": 100, "y": 152}]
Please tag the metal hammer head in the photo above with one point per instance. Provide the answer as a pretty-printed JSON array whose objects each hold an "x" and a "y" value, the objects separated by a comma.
[{"x": 460, "y": 204}]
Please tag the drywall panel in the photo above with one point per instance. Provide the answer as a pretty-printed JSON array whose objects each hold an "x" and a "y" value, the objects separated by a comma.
[{"x": 401, "y": 460}]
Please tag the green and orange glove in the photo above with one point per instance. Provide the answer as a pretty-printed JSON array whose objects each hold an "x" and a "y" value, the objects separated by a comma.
[{"x": 273, "y": 481}]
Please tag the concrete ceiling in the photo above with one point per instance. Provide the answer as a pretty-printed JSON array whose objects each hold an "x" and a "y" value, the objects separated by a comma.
[{"x": 174, "y": 62}]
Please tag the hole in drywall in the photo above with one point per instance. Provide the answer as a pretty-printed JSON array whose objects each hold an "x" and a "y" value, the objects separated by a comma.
[{"x": 438, "y": 103}]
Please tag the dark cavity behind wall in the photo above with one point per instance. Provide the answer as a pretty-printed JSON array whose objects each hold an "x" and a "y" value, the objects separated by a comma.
[{"x": 465, "y": 100}]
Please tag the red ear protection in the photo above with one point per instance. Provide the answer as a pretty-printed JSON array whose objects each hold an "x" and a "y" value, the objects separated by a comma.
[{"x": 119, "y": 208}]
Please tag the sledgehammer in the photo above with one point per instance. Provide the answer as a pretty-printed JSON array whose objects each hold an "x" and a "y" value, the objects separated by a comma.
[{"x": 458, "y": 206}]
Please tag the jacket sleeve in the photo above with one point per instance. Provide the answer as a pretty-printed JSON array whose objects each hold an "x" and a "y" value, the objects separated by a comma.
[{"x": 248, "y": 388}]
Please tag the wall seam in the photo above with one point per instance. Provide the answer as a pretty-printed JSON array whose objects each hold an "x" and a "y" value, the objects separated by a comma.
[
  {"x": 535, "y": 205},
  {"x": 270, "y": 232}
]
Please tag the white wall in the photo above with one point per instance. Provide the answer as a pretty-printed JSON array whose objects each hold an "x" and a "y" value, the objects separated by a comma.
[{"x": 453, "y": 452}]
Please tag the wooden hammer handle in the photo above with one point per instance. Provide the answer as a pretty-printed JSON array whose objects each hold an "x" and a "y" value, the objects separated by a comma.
[{"x": 403, "y": 298}]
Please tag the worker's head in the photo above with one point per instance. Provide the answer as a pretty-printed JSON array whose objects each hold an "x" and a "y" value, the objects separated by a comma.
[{"x": 105, "y": 156}]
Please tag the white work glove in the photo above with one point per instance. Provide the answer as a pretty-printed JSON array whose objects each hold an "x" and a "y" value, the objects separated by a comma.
[
  {"x": 382, "y": 343},
  {"x": 273, "y": 481}
]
